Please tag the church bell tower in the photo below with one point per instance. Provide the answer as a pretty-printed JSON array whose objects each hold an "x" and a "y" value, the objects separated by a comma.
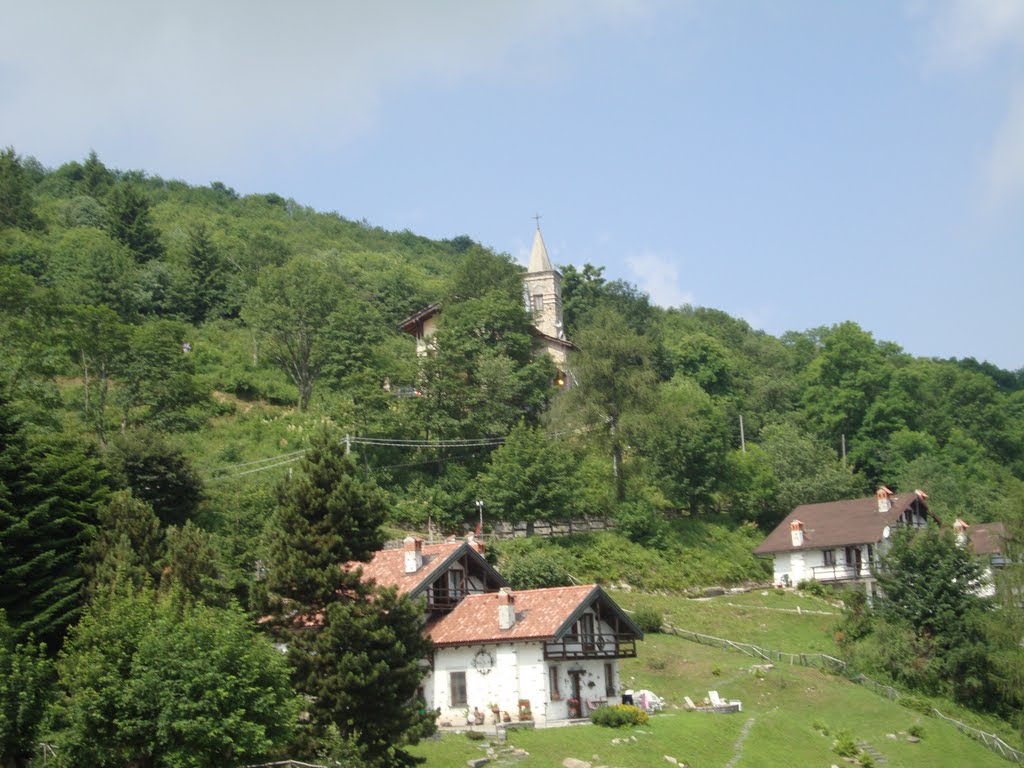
[{"x": 542, "y": 290}]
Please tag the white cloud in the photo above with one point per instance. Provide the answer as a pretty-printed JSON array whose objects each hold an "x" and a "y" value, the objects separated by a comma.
[
  {"x": 969, "y": 31},
  {"x": 658, "y": 275},
  {"x": 1005, "y": 174},
  {"x": 245, "y": 78},
  {"x": 969, "y": 35}
]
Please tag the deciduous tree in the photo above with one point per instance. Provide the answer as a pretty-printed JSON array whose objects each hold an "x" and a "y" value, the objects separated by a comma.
[{"x": 164, "y": 682}]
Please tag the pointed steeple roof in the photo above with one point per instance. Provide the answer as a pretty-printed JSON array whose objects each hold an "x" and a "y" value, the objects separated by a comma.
[{"x": 539, "y": 261}]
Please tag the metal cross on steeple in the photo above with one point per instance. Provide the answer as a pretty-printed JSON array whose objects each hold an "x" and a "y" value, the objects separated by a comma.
[{"x": 536, "y": 217}]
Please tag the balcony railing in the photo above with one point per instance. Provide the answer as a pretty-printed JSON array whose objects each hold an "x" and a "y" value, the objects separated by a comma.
[
  {"x": 598, "y": 646},
  {"x": 840, "y": 572}
]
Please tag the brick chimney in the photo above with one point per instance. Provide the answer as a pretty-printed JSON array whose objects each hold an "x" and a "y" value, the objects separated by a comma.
[
  {"x": 882, "y": 495},
  {"x": 506, "y": 609},
  {"x": 796, "y": 533},
  {"x": 413, "y": 554},
  {"x": 474, "y": 543}
]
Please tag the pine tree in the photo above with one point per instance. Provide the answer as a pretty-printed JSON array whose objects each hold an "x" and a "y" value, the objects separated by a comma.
[
  {"x": 127, "y": 545},
  {"x": 49, "y": 494},
  {"x": 16, "y": 206},
  {"x": 129, "y": 222},
  {"x": 327, "y": 516},
  {"x": 365, "y": 675},
  {"x": 358, "y": 649}
]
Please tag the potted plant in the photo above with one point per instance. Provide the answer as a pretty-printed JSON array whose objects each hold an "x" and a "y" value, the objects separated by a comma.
[
  {"x": 574, "y": 708},
  {"x": 525, "y": 713}
]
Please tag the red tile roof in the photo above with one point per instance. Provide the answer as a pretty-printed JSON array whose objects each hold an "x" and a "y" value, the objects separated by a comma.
[
  {"x": 387, "y": 567},
  {"x": 540, "y": 614},
  {"x": 838, "y": 523}
]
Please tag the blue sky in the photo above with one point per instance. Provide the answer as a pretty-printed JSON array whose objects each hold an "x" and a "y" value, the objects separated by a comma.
[{"x": 796, "y": 164}]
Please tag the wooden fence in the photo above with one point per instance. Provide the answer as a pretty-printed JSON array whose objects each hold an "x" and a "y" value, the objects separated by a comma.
[{"x": 838, "y": 666}]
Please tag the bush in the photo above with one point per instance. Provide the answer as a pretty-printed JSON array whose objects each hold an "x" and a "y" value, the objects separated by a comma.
[
  {"x": 816, "y": 588},
  {"x": 844, "y": 745},
  {"x": 618, "y": 716},
  {"x": 475, "y": 735},
  {"x": 916, "y": 730},
  {"x": 915, "y": 704},
  {"x": 536, "y": 569},
  {"x": 649, "y": 620}
]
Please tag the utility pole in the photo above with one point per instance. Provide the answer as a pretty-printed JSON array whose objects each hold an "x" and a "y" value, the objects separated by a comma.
[
  {"x": 743, "y": 439},
  {"x": 480, "y": 525},
  {"x": 843, "y": 444}
]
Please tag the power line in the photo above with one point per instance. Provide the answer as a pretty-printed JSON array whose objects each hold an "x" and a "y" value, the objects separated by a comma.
[
  {"x": 219, "y": 474},
  {"x": 256, "y": 461}
]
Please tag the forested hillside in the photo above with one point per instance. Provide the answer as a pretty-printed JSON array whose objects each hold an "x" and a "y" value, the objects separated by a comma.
[{"x": 169, "y": 350}]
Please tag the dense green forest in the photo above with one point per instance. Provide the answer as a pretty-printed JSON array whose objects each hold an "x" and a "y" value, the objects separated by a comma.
[{"x": 168, "y": 352}]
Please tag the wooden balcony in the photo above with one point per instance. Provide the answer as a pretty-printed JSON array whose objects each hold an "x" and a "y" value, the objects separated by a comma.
[{"x": 603, "y": 646}]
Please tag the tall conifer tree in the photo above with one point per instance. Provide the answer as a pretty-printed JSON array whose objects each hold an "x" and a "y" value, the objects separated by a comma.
[
  {"x": 49, "y": 494},
  {"x": 355, "y": 648}
]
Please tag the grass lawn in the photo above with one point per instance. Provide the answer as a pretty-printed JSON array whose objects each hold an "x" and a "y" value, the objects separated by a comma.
[
  {"x": 785, "y": 712},
  {"x": 768, "y": 618}
]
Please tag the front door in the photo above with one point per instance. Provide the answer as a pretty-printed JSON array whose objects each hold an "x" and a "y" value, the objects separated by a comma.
[{"x": 574, "y": 676}]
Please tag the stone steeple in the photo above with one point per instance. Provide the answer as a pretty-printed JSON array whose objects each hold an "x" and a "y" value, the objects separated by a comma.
[{"x": 542, "y": 289}]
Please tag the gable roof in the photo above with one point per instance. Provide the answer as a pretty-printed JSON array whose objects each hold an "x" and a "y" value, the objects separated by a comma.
[
  {"x": 987, "y": 538},
  {"x": 409, "y": 324},
  {"x": 387, "y": 567},
  {"x": 541, "y": 614},
  {"x": 839, "y": 523}
]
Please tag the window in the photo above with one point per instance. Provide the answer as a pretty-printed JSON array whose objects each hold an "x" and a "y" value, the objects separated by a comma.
[
  {"x": 553, "y": 683},
  {"x": 830, "y": 557},
  {"x": 457, "y": 685},
  {"x": 537, "y": 303},
  {"x": 609, "y": 679}
]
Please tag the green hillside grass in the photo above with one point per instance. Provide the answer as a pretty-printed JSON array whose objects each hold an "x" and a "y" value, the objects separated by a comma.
[
  {"x": 787, "y": 710},
  {"x": 793, "y": 622}
]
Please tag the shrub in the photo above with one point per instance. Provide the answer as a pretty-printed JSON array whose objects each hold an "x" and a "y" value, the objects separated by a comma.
[
  {"x": 816, "y": 588},
  {"x": 536, "y": 569},
  {"x": 655, "y": 664},
  {"x": 844, "y": 745},
  {"x": 475, "y": 735},
  {"x": 866, "y": 760},
  {"x": 915, "y": 704},
  {"x": 649, "y": 620},
  {"x": 618, "y": 716},
  {"x": 916, "y": 730}
]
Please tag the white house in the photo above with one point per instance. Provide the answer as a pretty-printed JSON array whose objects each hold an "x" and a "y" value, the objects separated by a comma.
[
  {"x": 838, "y": 541},
  {"x": 539, "y": 654},
  {"x": 987, "y": 541}
]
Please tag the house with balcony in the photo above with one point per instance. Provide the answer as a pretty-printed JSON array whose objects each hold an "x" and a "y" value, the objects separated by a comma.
[
  {"x": 539, "y": 655},
  {"x": 838, "y": 541}
]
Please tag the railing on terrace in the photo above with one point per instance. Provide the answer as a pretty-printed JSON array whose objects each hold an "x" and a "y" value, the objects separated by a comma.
[
  {"x": 598, "y": 646},
  {"x": 839, "y": 572},
  {"x": 837, "y": 666}
]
